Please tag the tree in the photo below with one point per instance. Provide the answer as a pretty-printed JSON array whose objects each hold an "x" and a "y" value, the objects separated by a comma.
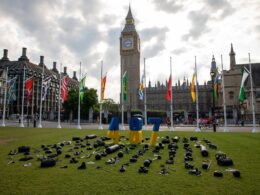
[
  {"x": 90, "y": 100},
  {"x": 110, "y": 105}
]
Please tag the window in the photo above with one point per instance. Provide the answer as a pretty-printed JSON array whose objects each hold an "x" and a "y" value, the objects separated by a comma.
[{"x": 231, "y": 95}]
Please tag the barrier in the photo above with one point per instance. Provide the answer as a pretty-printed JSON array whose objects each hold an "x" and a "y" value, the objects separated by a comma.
[
  {"x": 113, "y": 130},
  {"x": 136, "y": 134},
  {"x": 156, "y": 126}
]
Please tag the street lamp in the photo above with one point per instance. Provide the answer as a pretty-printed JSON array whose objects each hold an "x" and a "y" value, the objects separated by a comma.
[{"x": 213, "y": 70}]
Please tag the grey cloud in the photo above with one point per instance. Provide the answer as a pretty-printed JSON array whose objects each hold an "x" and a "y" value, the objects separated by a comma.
[
  {"x": 222, "y": 5},
  {"x": 179, "y": 50},
  {"x": 153, "y": 32},
  {"x": 169, "y": 6},
  {"x": 153, "y": 50},
  {"x": 200, "y": 18},
  {"x": 258, "y": 30},
  {"x": 148, "y": 33},
  {"x": 199, "y": 25}
]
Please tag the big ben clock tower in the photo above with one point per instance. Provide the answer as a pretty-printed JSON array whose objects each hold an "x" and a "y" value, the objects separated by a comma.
[{"x": 130, "y": 61}]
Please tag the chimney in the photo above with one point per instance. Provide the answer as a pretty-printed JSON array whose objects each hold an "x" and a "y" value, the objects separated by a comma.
[
  {"x": 23, "y": 57},
  {"x": 5, "y": 56},
  {"x": 75, "y": 76},
  {"x": 54, "y": 68},
  {"x": 24, "y": 51},
  {"x": 65, "y": 70},
  {"x": 41, "y": 61}
]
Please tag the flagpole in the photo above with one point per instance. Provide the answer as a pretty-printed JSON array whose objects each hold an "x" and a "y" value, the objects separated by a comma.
[
  {"x": 197, "y": 98},
  {"x": 40, "y": 117},
  {"x": 78, "y": 126},
  {"x": 59, "y": 126},
  {"x": 252, "y": 95},
  {"x": 171, "y": 94},
  {"x": 100, "y": 105},
  {"x": 122, "y": 98},
  {"x": 21, "y": 124},
  {"x": 6, "y": 80},
  {"x": 145, "y": 106},
  {"x": 224, "y": 98}
]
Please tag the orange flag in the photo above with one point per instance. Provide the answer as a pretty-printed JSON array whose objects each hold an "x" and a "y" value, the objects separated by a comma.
[
  {"x": 192, "y": 89},
  {"x": 104, "y": 79}
]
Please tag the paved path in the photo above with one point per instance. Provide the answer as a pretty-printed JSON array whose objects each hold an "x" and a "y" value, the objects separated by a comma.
[{"x": 50, "y": 124}]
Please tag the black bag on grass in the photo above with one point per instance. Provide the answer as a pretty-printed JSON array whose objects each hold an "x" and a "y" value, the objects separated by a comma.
[
  {"x": 22, "y": 149},
  {"x": 48, "y": 163}
]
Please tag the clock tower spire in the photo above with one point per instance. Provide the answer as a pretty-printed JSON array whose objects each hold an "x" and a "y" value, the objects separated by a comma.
[{"x": 130, "y": 61}]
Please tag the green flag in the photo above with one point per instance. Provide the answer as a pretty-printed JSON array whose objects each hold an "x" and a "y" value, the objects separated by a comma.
[
  {"x": 242, "y": 90},
  {"x": 82, "y": 87},
  {"x": 124, "y": 87}
]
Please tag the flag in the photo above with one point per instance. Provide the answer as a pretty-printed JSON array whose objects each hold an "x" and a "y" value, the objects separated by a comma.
[
  {"x": 141, "y": 88},
  {"x": 64, "y": 89},
  {"x": 124, "y": 87},
  {"x": 45, "y": 85},
  {"x": 103, "y": 87},
  {"x": 11, "y": 90},
  {"x": 28, "y": 87},
  {"x": 242, "y": 90},
  {"x": 192, "y": 89},
  {"x": 82, "y": 87},
  {"x": 216, "y": 86},
  {"x": 169, "y": 89}
]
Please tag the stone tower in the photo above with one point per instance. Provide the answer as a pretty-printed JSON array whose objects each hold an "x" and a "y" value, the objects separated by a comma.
[
  {"x": 232, "y": 56},
  {"x": 130, "y": 61}
]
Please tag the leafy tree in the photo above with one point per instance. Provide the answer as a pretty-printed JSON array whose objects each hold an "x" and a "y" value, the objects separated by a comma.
[
  {"x": 110, "y": 105},
  {"x": 90, "y": 100}
]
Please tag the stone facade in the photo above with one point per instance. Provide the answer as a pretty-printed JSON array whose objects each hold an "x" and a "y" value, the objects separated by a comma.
[
  {"x": 183, "y": 108},
  {"x": 232, "y": 78}
]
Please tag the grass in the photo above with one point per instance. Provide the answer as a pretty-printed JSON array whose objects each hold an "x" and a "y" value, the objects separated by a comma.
[{"x": 243, "y": 148}]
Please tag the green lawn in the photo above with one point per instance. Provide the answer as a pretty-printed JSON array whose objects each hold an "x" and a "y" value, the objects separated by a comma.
[{"x": 243, "y": 148}]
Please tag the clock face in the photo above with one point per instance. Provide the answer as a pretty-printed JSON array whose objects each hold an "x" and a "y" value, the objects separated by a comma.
[{"x": 128, "y": 43}]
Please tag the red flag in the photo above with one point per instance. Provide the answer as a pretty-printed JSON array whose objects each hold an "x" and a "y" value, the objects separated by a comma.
[
  {"x": 169, "y": 89},
  {"x": 28, "y": 87},
  {"x": 64, "y": 89}
]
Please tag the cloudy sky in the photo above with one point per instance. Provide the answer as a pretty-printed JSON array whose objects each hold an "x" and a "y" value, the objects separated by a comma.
[{"x": 69, "y": 31}]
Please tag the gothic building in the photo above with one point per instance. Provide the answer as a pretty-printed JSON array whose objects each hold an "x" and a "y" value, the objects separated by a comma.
[{"x": 16, "y": 69}]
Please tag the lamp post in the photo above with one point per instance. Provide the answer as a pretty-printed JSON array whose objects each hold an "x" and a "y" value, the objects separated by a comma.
[{"x": 213, "y": 72}]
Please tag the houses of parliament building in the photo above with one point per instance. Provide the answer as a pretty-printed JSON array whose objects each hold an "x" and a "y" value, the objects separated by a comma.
[{"x": 183, "y": 107}]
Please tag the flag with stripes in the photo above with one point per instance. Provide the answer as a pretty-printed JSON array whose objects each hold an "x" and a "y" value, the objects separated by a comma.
[
  {"x": 169, "y": 89},
  {"x": 216, "y": 86},
  {"x": 192, "y": 88},
  {"x": 141, "y": 88},
  {"x": 81, "y": 88},
  {"x": 11, "y": 90},
  {"x": 242, "y": 88},
  {"x": 28, "y": 87},
  {"x": 45, "y": 85},
  {"x": 103, "y": 87},
  {"x": 64, "y": 89},
  {"x": 124, "y": 87}
]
